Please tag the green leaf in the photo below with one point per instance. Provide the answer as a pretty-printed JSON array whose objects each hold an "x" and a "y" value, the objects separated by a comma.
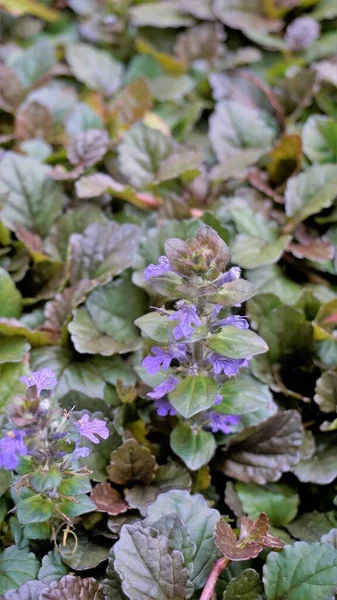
[
  {"x": 12, "y": 349},
  {"x": 236, "y": 343},
  {"x": 45, "y": 478},
  {"x": 115, "y": 317},
  {"x": 76, "y": 506},
  {"x": 195, "y": 448},
  {"x": 96, "y": 68},
  {"x": 149, "y": 14},
  {"x": 52, "y": 568},
  {"x": 278, "y": 501},
  {"x": 37, "y": 531},
  {"x": 309, "y": 192},
  {"x": 10, "y": 297},
  {"x": 233, "y": 293},
  {"x": 16, "y": 567},
  {"x": 27, "y": 591},
  {"x": 287, "y": 334},
  {"x": 243, "y": 394},
  {"x": 238, "y": 15},
  {"x": 326, "y": 392},
  {"x": 35, "y": 509},
  {"x": 320, "y": 139},
  {"x": 246, "y": 586},
  {"x": 310, "y": 527},
  {"x": 301, "y": 571},
  {"x": 103, "y": 251},
  {"x": 72, "y": 375},
  {"x": 250, "y": 252},
  {"x": 88, "y": 339},
  {"x": 155, "y": 326},
  {"x": 33, "y": 200},
  {"x": 261, "y": 453},
  {"x": 31, "y": 7},
  {"x": 234, "y": 128},
  {"x": 86, "y": 555},
  {"x": 141, "y": 153},
  {"x": 34, "y": 62},
  {"x": 194, "y": 394},
  {"x": 147, "y": 565},
  {"x": 75, "y": 485},
  {"x": 200, "y": 521},
  {"x": 321, "y": 468},
  {"x": 10, "y": 384}
]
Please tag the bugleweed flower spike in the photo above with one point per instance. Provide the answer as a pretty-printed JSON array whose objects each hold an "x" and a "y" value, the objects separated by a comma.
[{"x": 200, "y": 342}]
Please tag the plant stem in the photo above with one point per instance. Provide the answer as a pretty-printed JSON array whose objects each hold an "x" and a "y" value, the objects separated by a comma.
[{"x": 213, "y": 577}]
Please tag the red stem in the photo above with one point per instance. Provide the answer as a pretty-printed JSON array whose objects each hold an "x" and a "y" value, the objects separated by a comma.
[{"x": 213, "y": 577}]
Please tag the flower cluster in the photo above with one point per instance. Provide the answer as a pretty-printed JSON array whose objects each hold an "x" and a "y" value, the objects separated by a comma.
[
  {"x": 192, "y": 365},
  {"x": 37, "y": 428},
  {"x": 302, "y": 33}
]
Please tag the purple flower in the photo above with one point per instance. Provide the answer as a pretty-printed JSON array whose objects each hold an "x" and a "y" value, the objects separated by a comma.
[
  {"x": 218, "y": 399},
  {"x": 187, "y": 316},
  {"x": 218, "y": 422},
  {"x": 164, "y": 388},
  {"x": 222, "y": 364},
  {"x": 80, "y": 452},
  {"x": 230, "y": 275},
  {"x": 161, "y": 358},
  {"x": 235, "y": 321},
  {"x": 164, "y": 407},
  {"x": 301, "y": 33},
  {"x": 43, "y": 380},
  {"x": 91, "y": 429},
  {"x": 11, "y": 448},
  {"x": 155, "y": 270}
]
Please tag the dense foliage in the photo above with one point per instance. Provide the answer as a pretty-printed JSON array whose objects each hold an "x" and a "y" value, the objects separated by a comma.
[{"x": 168, "y": 300}]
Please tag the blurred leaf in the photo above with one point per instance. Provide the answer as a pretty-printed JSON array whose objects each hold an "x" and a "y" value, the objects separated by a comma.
[
  {"x": 246, "y": 586},
  {"x": 325, "y": 321},
  {"x": 243, "y": 394},
  {"x": 96, "y": 68},
  {"x": 326, "y": 392},
  {"x": 320, "y": 139},
  {"x": 33, "y": 63},
  {"x": 309, "y": 192},
  {"x": 32, "y": 199},
  {"x": 168, "y": 15},
  {"x": 285, "y": 158}
]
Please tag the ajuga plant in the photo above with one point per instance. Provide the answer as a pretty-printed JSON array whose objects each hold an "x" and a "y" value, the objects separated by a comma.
[
  {"x": 199, "y": 341},
  {"x": 41, "y": 445}
]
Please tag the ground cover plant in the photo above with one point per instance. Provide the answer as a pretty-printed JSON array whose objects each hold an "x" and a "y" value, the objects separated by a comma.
[{"x": 168, "y": 300}]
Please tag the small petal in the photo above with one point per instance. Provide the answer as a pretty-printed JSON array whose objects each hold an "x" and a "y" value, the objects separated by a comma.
[
  {"x": 164, "y": 407},
  {"x": 231, "y": 275},
  {"x": 217, "y": 422},
  {"x": 156, "y": 270},
  {"x": 91, "y": 429},
  {"x": 42, "y": 380},
  {"x": 162, "y": 358},
  {"x": 187, "y": 317},
  {"x": 222, "y": 364},
  {"x": 235, "y": 321},
  {"x": 164, "y": 388},
  {"x": 11, "y": 448},
  {"x": 302, "y": 33}
]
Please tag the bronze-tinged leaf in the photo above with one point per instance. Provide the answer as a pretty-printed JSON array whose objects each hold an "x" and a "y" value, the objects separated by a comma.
[
  {"x": 71, "y": 587},
  {"x": 131, "y": 462},
  {"x": 133, "y": 102},
  {"x": 108, "y": 500},
  {"x": 261, "y": 453},
  {"x": 12, "y": 90},
  {"x": 253, "y": 537},
  {"x": 33, "y": 121},
  {"x": 88, "y": 147},
  {"x": 200, "y": 42}
]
